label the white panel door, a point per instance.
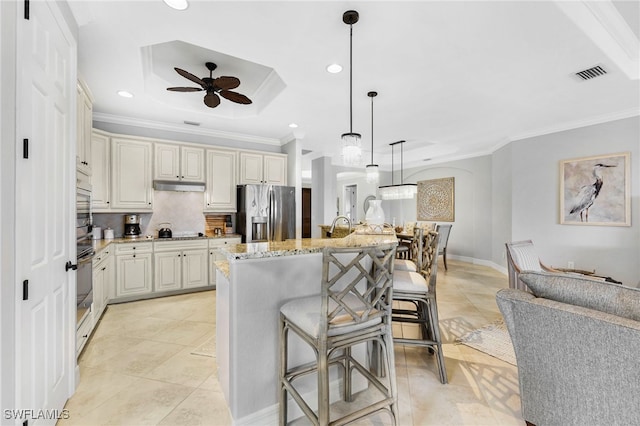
(133, 274)
(250, 168)
(45, 200)
(192, 160)
(221, 181)
(100, 172)
(168, 275)
(275, 170)
(167, 162)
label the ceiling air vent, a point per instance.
(592, 72)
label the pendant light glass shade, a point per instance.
(351, 149)
(351, 145)
(403, 191)
(372, 169)
(372, 173)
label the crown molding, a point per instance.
(183, 128)
(576, 124)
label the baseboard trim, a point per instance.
(482, 262)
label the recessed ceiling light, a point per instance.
(125, 94)
(334, 68)
(293, 125)
(177, 4)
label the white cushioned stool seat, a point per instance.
(305, 313)
(404, 281)
(405, 265)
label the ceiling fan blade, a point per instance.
(226, 83)
(211, 100)
(184, 89)
(191, 77)
(235, 97)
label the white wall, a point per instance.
(472, 226)
(613, 251)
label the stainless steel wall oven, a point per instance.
(85, 252)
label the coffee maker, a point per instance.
(131, 226)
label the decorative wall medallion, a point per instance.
(436, 200)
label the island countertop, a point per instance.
(359, 238)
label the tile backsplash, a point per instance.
(183, 210)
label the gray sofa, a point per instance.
(577, 346)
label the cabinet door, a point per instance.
(83, 127)
(98, 291)
(100, 172)
(194, 268)
(192, 164)
(131, 178)
(167, 162)
(221, 181)
(133, 275)
(275, 170)
(167, 267)
(250, 168)
(109, 280)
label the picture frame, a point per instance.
(436, 200)
(595, 191)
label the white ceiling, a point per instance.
(454, 79)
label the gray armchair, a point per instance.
(576, 342)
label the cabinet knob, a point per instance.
(107, 202)
(134, 255)
(177, 176)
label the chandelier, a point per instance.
(403, 191)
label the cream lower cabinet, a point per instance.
(134, 269)
(104, 275)
(180, 265)
(215, 255)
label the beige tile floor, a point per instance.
(138, 369)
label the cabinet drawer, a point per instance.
(134, 247)
(83, 332)
(223, 242)
(179, 245)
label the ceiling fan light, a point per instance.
(351, 149)
(177, 4)
(372, 173)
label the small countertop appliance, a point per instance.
(131, 226)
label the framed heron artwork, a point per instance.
(596, 190)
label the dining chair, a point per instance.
(443, 233)
(418, 291)
(353, 307)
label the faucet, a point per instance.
(333, 225)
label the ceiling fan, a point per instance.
(213, 87)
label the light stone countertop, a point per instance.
(99, 245)
(361, 237)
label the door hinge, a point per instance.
(25, 290)
(25, 148)
(26, 9)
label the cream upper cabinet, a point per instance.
(220, 193)
(131, 175)
(101, 171)
(179, 163)
(256, 168)
(84, 124)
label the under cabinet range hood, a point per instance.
(167, 185)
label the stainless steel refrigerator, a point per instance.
(266, 213)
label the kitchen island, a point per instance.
(253, 284)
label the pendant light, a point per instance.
(351, 146)
(398, 192)
(372, 169)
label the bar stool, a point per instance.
(419, 290)
(354, 307)
(413, 262)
